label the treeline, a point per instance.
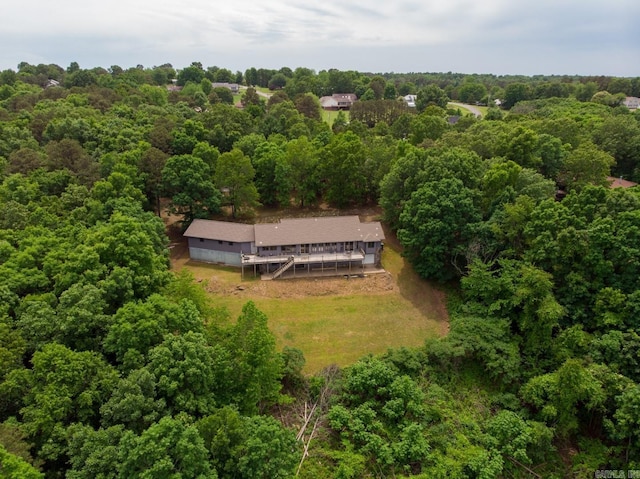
(113, 366)
(468, 88)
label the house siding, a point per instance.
(213, 256)
(217, 251)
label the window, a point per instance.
(201, 240)
(230, 243)
(371, 244)
(219, 241)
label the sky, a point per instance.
(502, 37)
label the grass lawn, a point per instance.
(483, 110)
(329, 116)
(339, 320)
(465, 111)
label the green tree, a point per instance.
(517, 440)
(436, 226)
(431, 95)
(139, 326)
(573, 392)
(277, 82)
(64, 387)
(151, 165)
(514, 93)
(234, 176)
(94, 453)
(309, 106)
(425, 127)
(302, 157)
(191, 376)
(269, 452)
(620, 137)
(80, 317)
(272, 174)
(523, 148)
(627, 418)
(187, 179)
(471, 92)
(133, 251)
(224, 433)
(342, 167)
(14, 467)
(193, 74)
(380, 414)
(170, 448)
(258, 367)
(133, 402)
(586, 165)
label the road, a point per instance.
(471, 108)
(260, 93)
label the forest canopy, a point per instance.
(114, 365)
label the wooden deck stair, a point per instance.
(290, 262)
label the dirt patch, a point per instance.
(307, 287)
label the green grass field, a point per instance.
(330, 116)
(337, 328)
(483, 109)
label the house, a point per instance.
(632, 102)
(330, 243)
(51, 83)
(338, 101)
(410, 100)
(620, 183)
(234, 87)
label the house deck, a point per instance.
(317, 264)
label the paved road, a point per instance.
(471, 108)
(260, 93)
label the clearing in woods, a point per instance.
(332, 320)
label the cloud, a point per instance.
(375, 35)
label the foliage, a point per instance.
(188, 181)
(112, 366)
(234, 176)
(436, 226)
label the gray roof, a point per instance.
(220, 230)
(326, 229)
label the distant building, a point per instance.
(620, 183)
(51, 83)
(410, 100)
(338, 101)
(234, 87)
(632, 102)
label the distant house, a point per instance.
(234, 87)
(620, 183)
(410, 100)
(51, 83)
(632, 102)
(324, 244)
(338, 101)
(174, 85)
